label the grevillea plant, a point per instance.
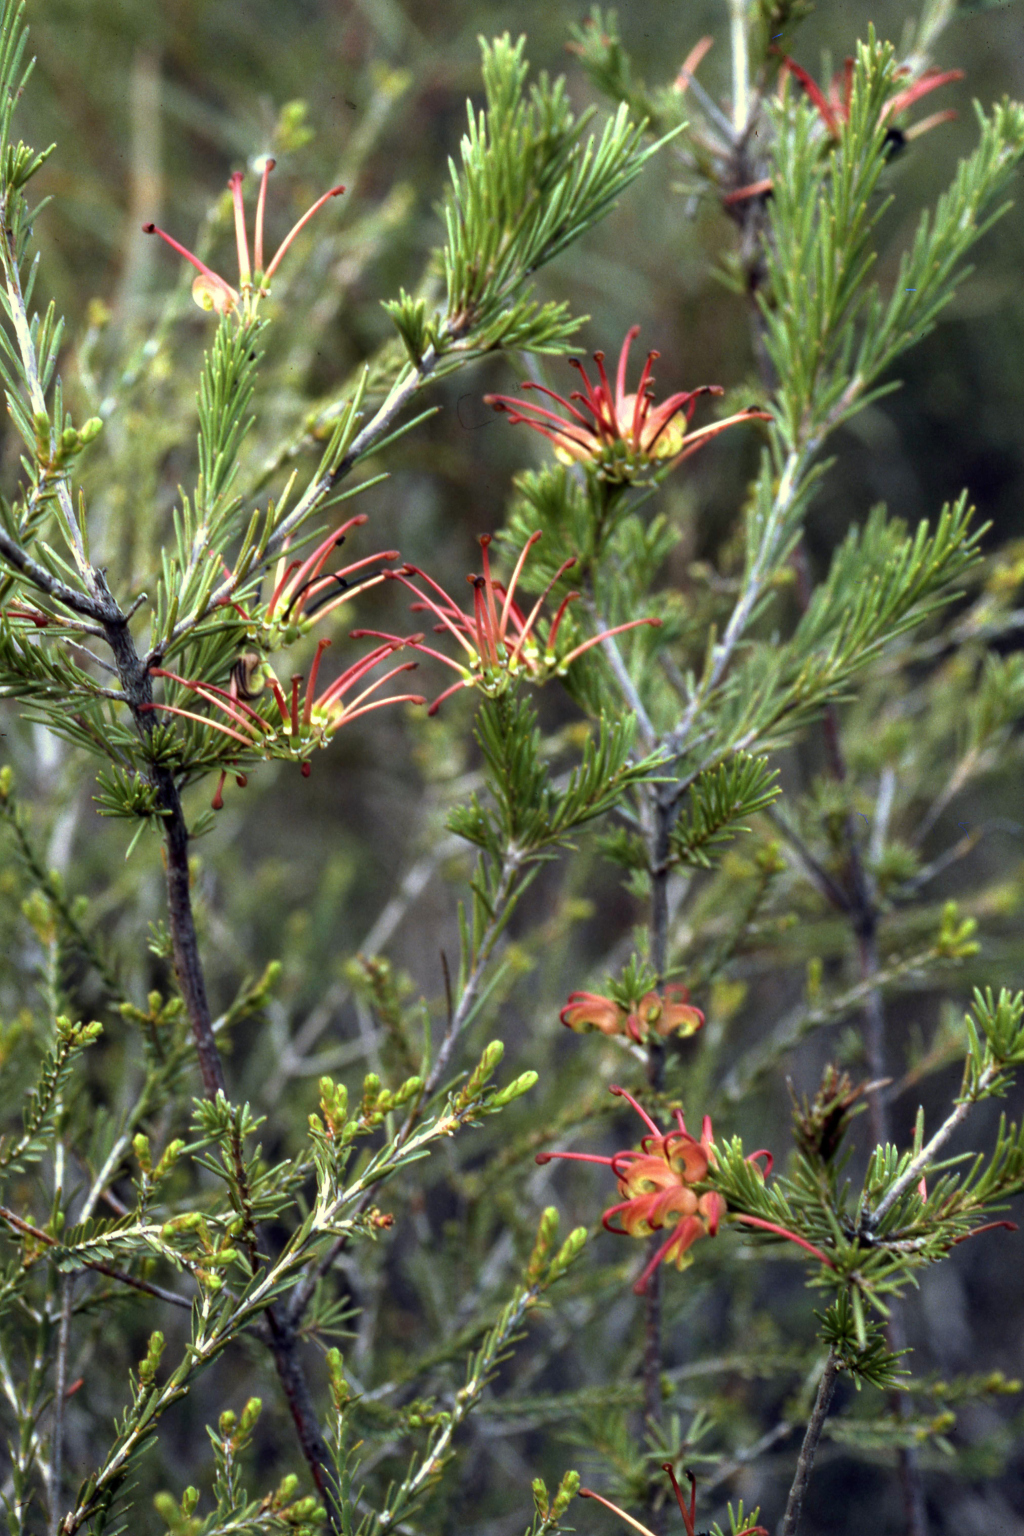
(694, 811)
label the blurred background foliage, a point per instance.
(151, 107)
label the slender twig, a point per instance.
(780, 1431)
(60, 1387)
(294, 1055)
(398, 397)
(39, 576)
(661, 819)
(137, 684)
(97, 1265)
(805, 1461)
(27, 348)
(864, 917)
(788, 486)
(817, 871)
(920, 1164)
(628, 688)
(464, 1400)
(740, 64)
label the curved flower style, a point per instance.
(501, 643)
(660, 1182)
(667, 1013)
(834, 109)
(306, 723)
(620, 434)
(213, 292)
(689, 1515)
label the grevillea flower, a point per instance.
(667, 1012)
(689, 1514)
(618, 433)
(500, 643)
(307, 721)
(660, 1182)
(213, 292)
(834, 108)
(304, 593)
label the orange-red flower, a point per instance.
(619, 433)
(660, 1182)
(834, 109)
(303, 592)
(657, 1184)
(689, 1514)
(213, 292)
(306, 723)
(667, 1012)
(500, 643)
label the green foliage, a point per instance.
(717, 803)
(529, 185)
(271, 1157)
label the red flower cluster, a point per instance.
(834, 109)
(657, 1182)
(667, 1012)
(306, 723)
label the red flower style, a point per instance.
(834, 109)
(667, 1013)
(689, 1514)
(302, 588)
(620, 433)
(213, 292)
(500, 642)
(660, 1182)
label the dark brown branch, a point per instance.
(858, 902)
(805, 1461)
(280, 1336)
(284, 1347)
(39, 576)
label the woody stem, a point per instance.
(280, 1335)
(655, 1077)
(805, 1461)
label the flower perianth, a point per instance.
(308, 720)
(662, 1183)
(261, 204)
(241, 238)
(657, 1182)
(667, 1012)
(302, 589)
(209, 290)
(299, 224)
